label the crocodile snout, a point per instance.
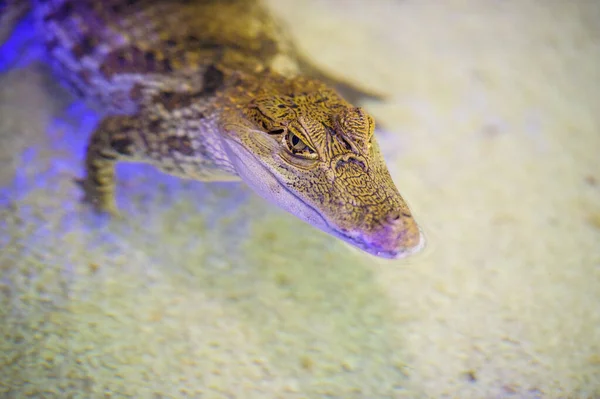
(397, 235)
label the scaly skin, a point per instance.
(214, 90)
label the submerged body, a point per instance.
(214, 90)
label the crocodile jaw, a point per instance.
(265, 184)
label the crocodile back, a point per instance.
(111, 51)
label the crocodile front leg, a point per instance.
(118, 138)
(183, 143)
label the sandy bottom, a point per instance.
(492, 133)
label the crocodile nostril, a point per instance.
(395, 216)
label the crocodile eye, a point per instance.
(296, 145)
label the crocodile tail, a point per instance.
(11, 12)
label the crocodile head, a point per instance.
(314, 155)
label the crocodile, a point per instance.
(215, 90)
